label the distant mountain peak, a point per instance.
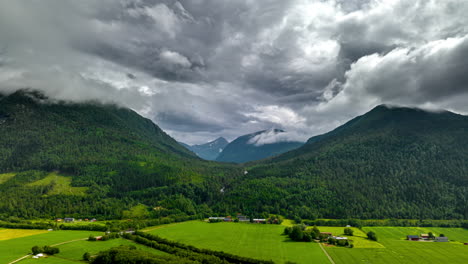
(210, 150)
(258, 145)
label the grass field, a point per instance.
(359, 238)
(62, 185)
(6, 234)
(17, 247)
(75, 250)
(244, 239)
(5, 177)
(398, 250)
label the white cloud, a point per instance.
(175, 58)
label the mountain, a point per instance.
(392, 162)
(210, 150)
(89, 159)
(82, 160)
(256, 146)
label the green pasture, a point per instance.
(251, 240)
(61, 185)
(15, 248)
(398, 250)
(75, 250)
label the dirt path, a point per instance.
(66, 242)
(326, 253)
(157, 227)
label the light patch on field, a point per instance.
(61, 185)
(287, 222)
(6, 176)
(359, 238)
(6, 234)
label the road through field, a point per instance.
(326, 253)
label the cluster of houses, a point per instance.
(425, 237)
(71, 220)
(239, 217)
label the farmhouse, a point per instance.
(424, 236)
(69, 220)
(259, 220)
(412, 237)
(340, 238)
(243, 218)
(216, 218)
(441, 239)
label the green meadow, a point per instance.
(75, 250)
(61, 185)
(251, 240)
(15, 248)
(396, 249)
(5, 177)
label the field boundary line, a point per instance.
(17, 260)
(66, 242)
(326, 253)
(157, 227)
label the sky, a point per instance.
(201, 69)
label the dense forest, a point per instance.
(390, 162)
(87, 160)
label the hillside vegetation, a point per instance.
(390, 162)
(109, 159)
(87, 160)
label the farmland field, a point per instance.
(398, 250)
(359, 238)
(6, 234)
(244, 239)
(17, 247)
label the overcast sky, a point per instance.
(207, 68)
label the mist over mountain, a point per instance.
(210, 150)
(390, 162)
(258, 145)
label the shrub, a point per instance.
(348, 231)
(372, 236)
(86, 256)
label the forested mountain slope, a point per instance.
(86, 160)
(117, 156)
(245, 148)
(391, 162)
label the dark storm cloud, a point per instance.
(208, 68)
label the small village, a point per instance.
(238, 218)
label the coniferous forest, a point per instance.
(62, 159)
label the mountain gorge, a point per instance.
(210, 150)
(256, 146)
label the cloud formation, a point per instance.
(208, 68)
